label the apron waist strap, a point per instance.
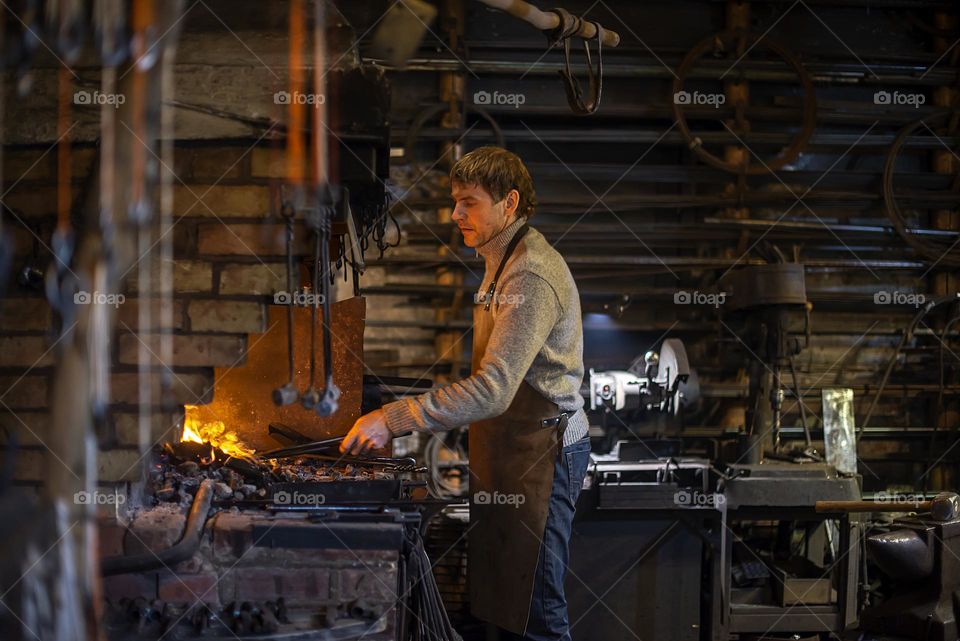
(560, 422)
(562, 417)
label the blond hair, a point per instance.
(497, 171)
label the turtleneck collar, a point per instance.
(494, 249)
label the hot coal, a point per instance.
(181, 467)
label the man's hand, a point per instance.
(368, 433)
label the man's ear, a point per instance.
(512, 201)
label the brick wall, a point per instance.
(229, 260)
(234, 564)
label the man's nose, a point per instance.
(457, 215)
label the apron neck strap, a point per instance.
(517, 237)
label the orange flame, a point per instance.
(214, 432)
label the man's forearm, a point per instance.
(473, 399)
(518, 335)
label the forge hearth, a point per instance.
(232, 538)
(230, 542)
(334, 575)
(283, 547)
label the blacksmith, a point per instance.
(528, 432)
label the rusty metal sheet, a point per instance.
(242, 395)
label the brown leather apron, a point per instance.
(512, 460)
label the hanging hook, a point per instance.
(570, 25)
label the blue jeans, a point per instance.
(548, 619)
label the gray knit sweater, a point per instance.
(537, 338)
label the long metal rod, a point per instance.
(823, 73)
(643, 202)
(548, 20)
(330, 443)
(295, 109)
(324, 171)
(683, 262)
(870, 144)
(429, 231)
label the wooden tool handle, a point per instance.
(872, 506)
(547, 20)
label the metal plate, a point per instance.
(242, 395)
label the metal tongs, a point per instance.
(328, 450)
(313, 447)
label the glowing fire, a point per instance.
(213, 432)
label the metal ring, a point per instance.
(431, 112)
(785, 155)
(931, 251)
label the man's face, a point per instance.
(477, 216)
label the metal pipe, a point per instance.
(823, 73)
(872, 4)
(548, 20)
(180, 551)
(868, 229)
(682, 262)
(595, 232)
(870, 143)
(641, 202)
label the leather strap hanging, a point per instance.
(491, 290)
(570, 25)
